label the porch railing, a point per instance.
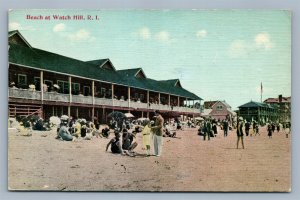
(82, 99)
(24, 93)
(53, 96)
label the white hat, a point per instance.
(64, 117)
(241, 118)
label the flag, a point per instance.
(261, 87)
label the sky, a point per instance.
(216, 54)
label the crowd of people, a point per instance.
(209, 128)
(152, 131)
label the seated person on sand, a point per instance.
(128, 142)
(116, 145)
(105, 132)
(167, 131)
(64, 133)
(78, 128)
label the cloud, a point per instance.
(163, 36)
(145, 33)
(17, 26)
(238, 48)
(81, 35)
(14, 26)
(262, 40)
(201, 34)
(59, 27)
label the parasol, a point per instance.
(129, 115)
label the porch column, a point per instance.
(148, 97)
(93, 114)
(128, 98)
(169, 100)
(69, 111)
(158, 98)
(142, 114)
(112, 93)
(77, 112)
(42, 85)
(70, 88)
(103, 115)
(178, 103)
(93, 91)
(147, 114)
(53, 111)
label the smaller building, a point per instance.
(260, 112)
(218, 110)
(284, 106)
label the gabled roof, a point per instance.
(209, 104)
(48, 61)
(136, 72)
(101, 63)
(223, 102)
(253, 104)
(45, 60)
(173, 82)
(276, 100)
(18, 34)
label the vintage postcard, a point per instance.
(149, 100)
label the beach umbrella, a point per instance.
(118, 117)
(129, 115)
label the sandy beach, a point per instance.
(41, 162)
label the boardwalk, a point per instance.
(41, 162)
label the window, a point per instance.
(22, 79)
(37, 83)
(219, 107)
(63, 87)
(75, 88)
(136, 95)
(162, 100)
(86, 90)
(142, 97)
(109, 93)
(103, 91)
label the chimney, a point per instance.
(280, 98)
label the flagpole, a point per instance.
(261, 91)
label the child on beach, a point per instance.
(147, 135)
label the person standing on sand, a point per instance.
(247, 127)
(225, 128)
(147, 135)
(270, 130)
(239, 131)
(157, 133)
(208, 130)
